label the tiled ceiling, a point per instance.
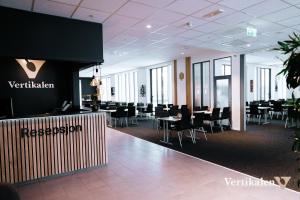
(178, 26)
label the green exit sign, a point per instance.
(251, 32)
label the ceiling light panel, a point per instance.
(239, 4)
(266, 7)
(155, 3)
(103, 5)
(188, 7)
(136, 10)
(290, 22)
(169, 30)
(190, 34)
(90, 15)
(165, 16)
(120, 21)
(71, 2)
(293, 2)
(234, 18)
(210, 27)
(282, 14)
(53, 8)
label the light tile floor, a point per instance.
(139, 169)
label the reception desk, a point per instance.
(37, 147)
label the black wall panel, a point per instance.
(38, 36)
(27, 101)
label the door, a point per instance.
(222, 91)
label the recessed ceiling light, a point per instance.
(213, 13)
(248, 45)
(182, 53)
(149, 26)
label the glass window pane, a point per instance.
(206, 84)
(165, 85)
(136, 88)
(108, 88)
(159, 86)
(154, 87)
(197, 84)
(222, 66)
(103, 87)
(222, 86)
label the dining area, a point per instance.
(280, 111)
(170, 122)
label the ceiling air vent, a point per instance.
(213, 13)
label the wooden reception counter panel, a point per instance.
(33, 148)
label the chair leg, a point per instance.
(286, 122)
(204, 132)
(211, 127)
(220, 123)
(180, 138)
(192, 136)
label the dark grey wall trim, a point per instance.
(242, 92)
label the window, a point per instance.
(201, 74)
(222, 67)
(105, 89)
(159, 85)
(222, 82)
(126, 88)
(264, 83)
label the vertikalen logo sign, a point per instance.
(31, 69)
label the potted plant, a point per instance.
(291, 70)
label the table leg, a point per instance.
(166, 133)
(109, 121)
(266, 116)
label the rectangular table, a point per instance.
(203, 111)
(166, 121)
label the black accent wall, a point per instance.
(38, 36)
(86, 88)
(27, 101)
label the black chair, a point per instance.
(184, 125)
(183, 107)
(198, 124)
(254, 112)
(204, 108)
(226, 115)
(174, 111)
(197, 108)
(277, 109)
(157, 111)
(131, 114)
(149, 109)
(120, 115)
(162, 105)
(170, 105)
(213, 118)
(140, 107)
(130, 104)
